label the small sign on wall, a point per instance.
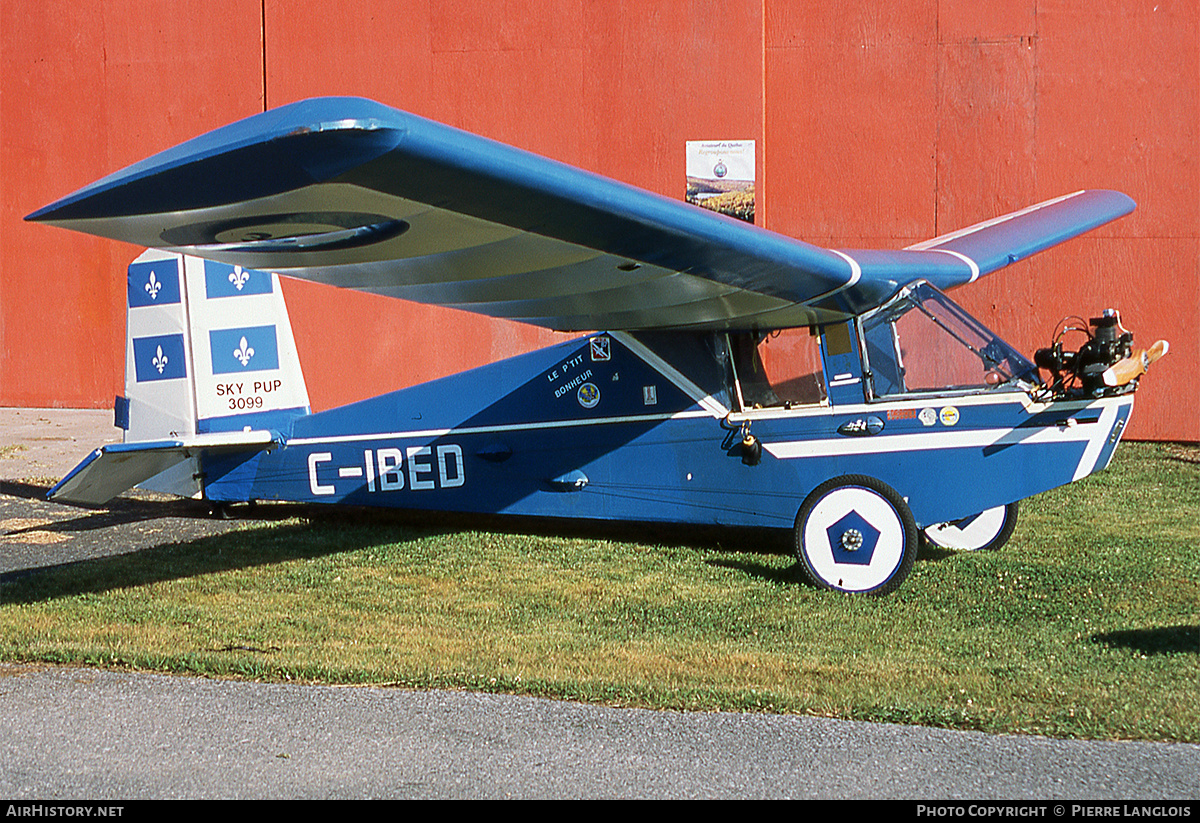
(720, 176)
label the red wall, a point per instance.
(875, 126)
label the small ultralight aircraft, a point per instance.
(743, 378)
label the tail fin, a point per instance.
(209, 348)
(210, 364)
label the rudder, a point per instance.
(209, 348)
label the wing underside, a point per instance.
(355, 194)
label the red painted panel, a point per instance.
(878, 124)
(852, 24)
(378, 50)
(987, 131)
(986, 21)
(851, 134)
(1120, 106)
(485, 78)
(85, 90)
(505, 25)
(995, 109)
(353, 345)
(659, 74)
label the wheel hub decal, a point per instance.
(853, 539)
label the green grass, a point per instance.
(1086, 625)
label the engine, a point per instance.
(1105, 364)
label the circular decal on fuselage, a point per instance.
(588, 395)
(927, 417)
(948, 416)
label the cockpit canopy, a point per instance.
(921, 341)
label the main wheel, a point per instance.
(856, 534)
(986, 531)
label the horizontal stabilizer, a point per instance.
(118, 467)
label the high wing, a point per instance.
(353, 193)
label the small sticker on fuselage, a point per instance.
(948, 416)
(927, 417)
(588, 395)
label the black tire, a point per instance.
(848, 515)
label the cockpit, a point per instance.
(919, 342)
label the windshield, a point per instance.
(922, 341)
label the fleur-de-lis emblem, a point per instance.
(238, 278)
(243, 353)
(160, 359)
(152, 289)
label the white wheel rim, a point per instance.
(827, 550)
(970, 535)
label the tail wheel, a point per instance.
(856, 534)
(986, 531)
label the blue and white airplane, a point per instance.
(744, 378)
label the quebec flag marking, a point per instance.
(223, 280)
(159, 358)
(155, 283)
(253, 348)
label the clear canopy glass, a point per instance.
(922, 341)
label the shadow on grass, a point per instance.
(792, 575)
(238, 549)
(1161, 640)
(317, 531)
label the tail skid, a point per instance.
(210, 364)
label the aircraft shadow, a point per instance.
(217, 552)
(318, 531)
(168, 561)
(119, 511)
(1158, 640)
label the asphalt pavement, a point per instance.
(90, 733)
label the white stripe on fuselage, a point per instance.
(421, 434)
(1087, 463)
(705, 400)
(1094, 434)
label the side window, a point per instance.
(781, 369)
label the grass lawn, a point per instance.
(1087, 624)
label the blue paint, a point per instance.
(644, 424)
(360, 145)
(868, 534)
(223, 280)
(274, 420)
(153, 284)
(159, 358)
(249, 348)
(522, 449)
(121, 412)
